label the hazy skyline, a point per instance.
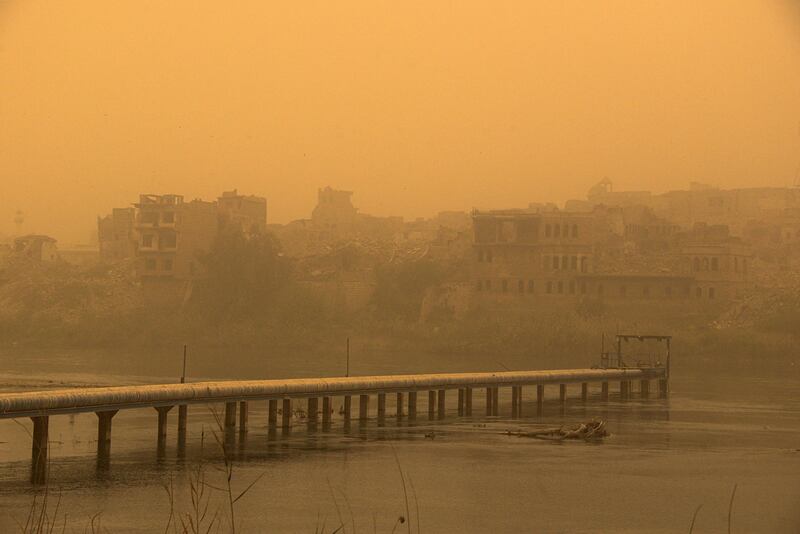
(417, 107)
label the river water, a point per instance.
(664, 459)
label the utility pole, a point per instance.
(183, 373)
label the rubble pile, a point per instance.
(59, 292)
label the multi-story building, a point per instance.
(529, 253)
(173, 235)
(249, 212)
(580, 254)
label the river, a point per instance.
(663, 460)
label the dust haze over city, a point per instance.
(402, 267)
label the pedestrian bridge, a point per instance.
(107, 401)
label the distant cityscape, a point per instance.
(702, 245)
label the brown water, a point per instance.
(663, 460)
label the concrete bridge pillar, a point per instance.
(489, 399)
(272, 413)
(39, 449)
(514, 402)
(460, 402)
(312, 407)
(348, 402)
(412, 404)
(562, 393)
(104, 433)
(243, 417)
(441, 407)
(161, 432)
(539, 398)
(644, 388)
(381, 407)
(468, 401)
(584, 391)
(229, 423)
(182, 419)
(399, 406)
(495, 400)
(286, 414)
(663, 387)
(604, 391)
(326, 411)
(431, 404)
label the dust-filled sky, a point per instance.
(417, 106)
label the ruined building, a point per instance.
(334, 216)
(116, 236)
(561, 255)
(249, 212)
(173, 234)
(39, 248)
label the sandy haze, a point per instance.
(418, 106)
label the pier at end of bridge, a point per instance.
(107, 401)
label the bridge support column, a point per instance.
(624, 389)
(489, 399)
(272, 413)
(644, 388)
(663, 387)
(312, 409)
(39, 449)
(104, 433)
(381, 407)
(562, 393)
(431, 404)
(229, 422)
(183, 414)
(286, 414)
(399, 406)
(326, 411)
(539, 399)
(243, 417)
(412, 404)
(441, 407)
(495, 400)
(604, 391)
(514, 402)
(584, 391)
(348, 402)
(161, 433)
(460, 402)
(363, 407)
(468, 401)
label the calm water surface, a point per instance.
(663, 460)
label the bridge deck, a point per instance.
(97, 399)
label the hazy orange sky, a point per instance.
(417, 106)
